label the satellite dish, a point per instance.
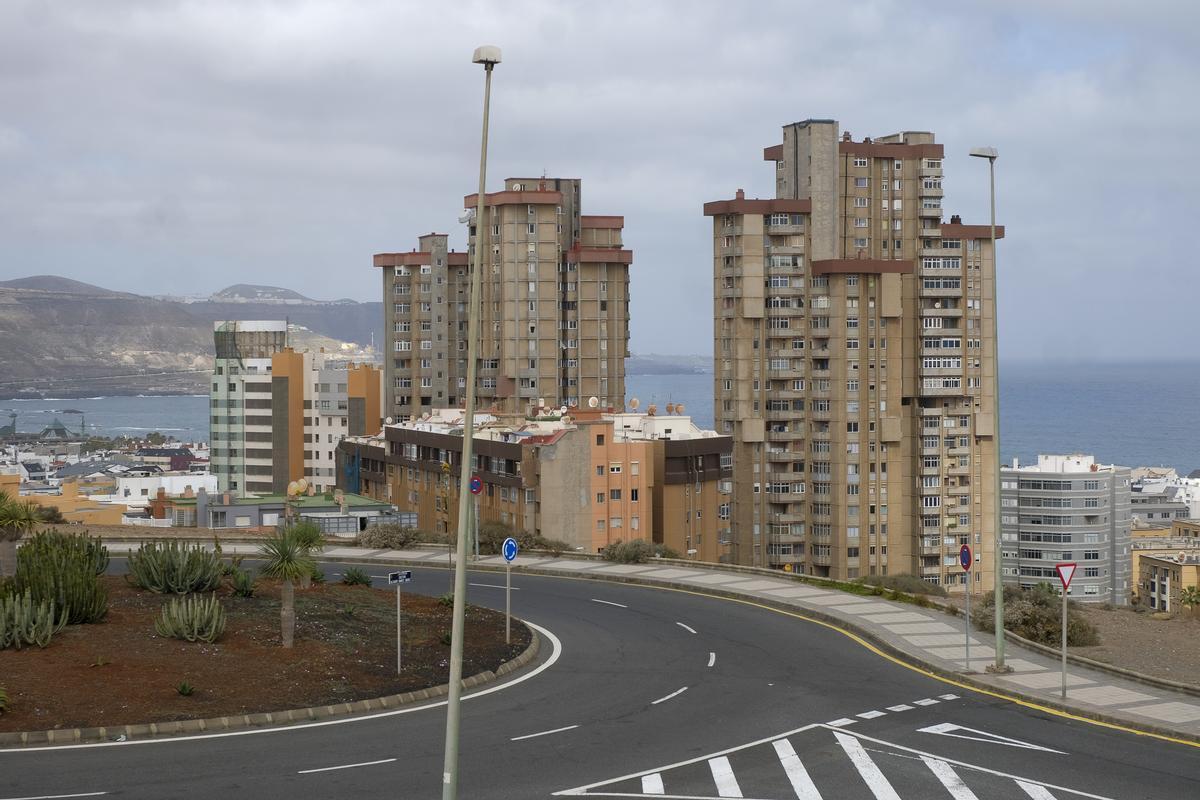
(651, 410)
(634, 403)
(293, 488)
(679, 408)
(562, 410)
(593, 402)
(670, 408)
(387, 421)
(566, 420)
(302, 485)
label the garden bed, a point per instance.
(121, 672)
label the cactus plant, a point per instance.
(356, 577)
(3, 700)
(63, 569)
(242, 583)
(174, 568)
(193, 618)
(24, 621)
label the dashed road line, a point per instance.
(687, 628)
(543, 733)
(675, 693)
(872, 714)
(928, 701)
(346, 766)
(57, 796)
(610, 603)
(841, 723)
(712, 658)
(899, 708)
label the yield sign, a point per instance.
(1066, 571)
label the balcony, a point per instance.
(787, 519)
(925, 191)
(785, 250)
(785, 436)
(930, 212)
(785, 415)
(781, 230)
(929, 172)
(957, 470)
(940, 292)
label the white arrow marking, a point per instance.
(949, 728)
(687, 628)
(609, 603)
(712, 658)
(346, 766)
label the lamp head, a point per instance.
(984, 152)
(487, 55)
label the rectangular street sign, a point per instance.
(400, 577)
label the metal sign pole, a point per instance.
(507, 602)
(399, 638)
(1064, 644)
(476, 527)
(967, 623)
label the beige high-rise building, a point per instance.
(853, 362)
(555, 307)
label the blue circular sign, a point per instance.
(964, 558)
(509, 549)
(476, 484)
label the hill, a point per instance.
(63, 337)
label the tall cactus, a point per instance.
(174, 568)
(193, 618)
(26, 622)
(63, 569)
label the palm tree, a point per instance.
(287, 560)
(16, 519)
(1190, 597)
(310, 537)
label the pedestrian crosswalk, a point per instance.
(825, 762)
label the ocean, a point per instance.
(1132, 414)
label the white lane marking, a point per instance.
(871, 775)
(494, 586)
(687, 628)
(56, 796)
(675, 693)
(727, 785)
(346, 766)
(652, 784)
(949, 778)
(839, 723)
(900, 707)
(1034, 785)
(871, 714)
(543, 733)
(947, 697)
(928, 701)
(1035, 791)
(609, 603)
(556, 648)
(976, 735)
(712, 658)
(802, 784)
(581, 790)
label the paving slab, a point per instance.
(1045, 680)
(863, 608)
(797, 591)
(625, 569)
(896, 616)
(672, 574)
(717, 578)
(959, 653)
(1110, 696)
(754, 586)
(938, 639)
(1168, 712)
(838, 598)
(919, 627)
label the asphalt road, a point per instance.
(660, 694)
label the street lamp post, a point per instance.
(990, 154)
(489, 56)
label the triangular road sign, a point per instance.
(959, 732)
(1066, 571)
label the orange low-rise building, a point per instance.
(75, 507)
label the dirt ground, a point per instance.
(1164, 648)
(121, 672)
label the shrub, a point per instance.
(174, 568)
(317, 575)
(447, 599)
(635, 552)
(242, 583)
(51, 515)
(193, 619)
(62, 569)
(184, 688)
(3, 700)
(556, 546)
(1036, 614)
(354, 576)
(24, 621)
(388, 535)
(910, 584)
(446, 638)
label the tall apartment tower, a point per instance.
(853, 363)
(555, 307)
(278, 414)
(1068, 508)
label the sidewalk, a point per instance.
(928, 637)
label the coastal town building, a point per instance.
(853, 362)
(277, 414)
(1163, 579)
(1068, 508)
(555, 307)
(588, 477)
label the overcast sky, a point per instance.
(178, 147)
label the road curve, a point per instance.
(655, 693)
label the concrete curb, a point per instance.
(275, 718)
